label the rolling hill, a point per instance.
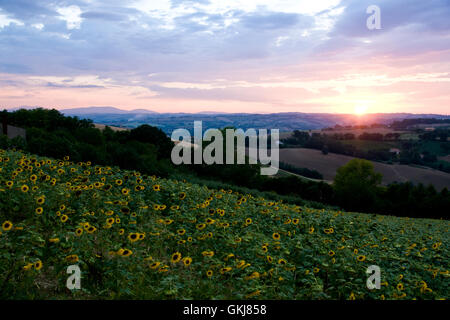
(328, 164)
(143, 237)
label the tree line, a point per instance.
(148, 149)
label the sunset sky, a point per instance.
(226, 55)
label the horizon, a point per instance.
(365, 115)
(261, 56)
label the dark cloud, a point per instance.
(109, 16)
(26, 9)
(274, 20)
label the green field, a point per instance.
(140, 237)
(365, 145)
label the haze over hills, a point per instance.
(285, 122)
(103, 110)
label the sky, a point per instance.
(261, 56)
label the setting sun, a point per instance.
(360, 109)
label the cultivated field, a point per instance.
(404, 135)
(328, 164)
(140, 237)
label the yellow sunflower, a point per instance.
(175, 257)
(7, 225)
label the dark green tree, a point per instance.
(356, 185)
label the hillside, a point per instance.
(328, 164)
(284, 121)
(143, 237)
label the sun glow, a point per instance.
(360, 110)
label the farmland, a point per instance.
(142, 237)
(328, 164)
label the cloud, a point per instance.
(101, 15)
(6, 20)
(72, 16)
(259, 52)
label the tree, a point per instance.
(356, 185)
(148, 134)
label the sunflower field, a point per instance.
(142, 237)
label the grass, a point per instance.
(366, 145)
(140, 237)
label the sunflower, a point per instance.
(282, 262)
(38, 265)
(156, 187)
(361, 258)
(91, 229)
(182, 195)
(163, 269)
(209, 273)
(208, 253)
(40, 200)
(72, 258)
(64, 218)
(53, 240)
(240, 264)
(311, 230)
(269, 259)
(276, 236)
(181, 231)
(79, 232)
(254, 275)
(110, 220)
(27, 267)
(119, 182)
(125, 210)
(331, 253)
(201, 226)
(225, 270)
(125, 191)
(39, 210)
(187, 261)
(400, 286)
(316, 270)
(175, 257)
(24, 188)
(133, 237)
(126, 253)
(121, 231)
(7, 225)
(248, 221)
(154, 265)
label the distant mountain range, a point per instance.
(285, 122)
(104, 110)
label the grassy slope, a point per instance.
(316, 256)
(328, 164)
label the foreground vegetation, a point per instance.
(142, 237)
(148, 149)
